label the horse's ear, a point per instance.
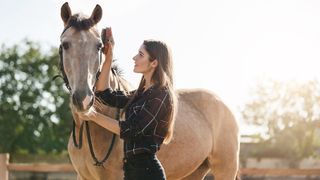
(65, 13)
(96, 14)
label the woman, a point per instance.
(149, 110)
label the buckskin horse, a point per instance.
(206, 135)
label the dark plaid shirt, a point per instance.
(145, 125)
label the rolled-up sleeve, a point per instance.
(114, 98)
(152, 114)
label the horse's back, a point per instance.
(214, 110)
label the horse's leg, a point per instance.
(224, 166)
(200, 172)
(224, 157)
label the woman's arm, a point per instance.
(103, 91)
(104, 78)
(108, 123)
(103, 121)
(113, 98)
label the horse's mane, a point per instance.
(118, 73)
(115, 67)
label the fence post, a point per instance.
(4, 162)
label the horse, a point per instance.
(206, 134)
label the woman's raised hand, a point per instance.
(108, 42)
(103, 81)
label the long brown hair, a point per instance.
(162, 77)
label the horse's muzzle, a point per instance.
(82, 101)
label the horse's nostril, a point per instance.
(76, 101)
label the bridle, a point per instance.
(78, 145)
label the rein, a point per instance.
(97, 162)
(78, 145)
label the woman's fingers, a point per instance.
(92, 114)
(87, 116)
(109, 36)
(108, 47)
(108, 40)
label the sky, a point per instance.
(224, 46)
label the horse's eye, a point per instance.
(99, 45)
(65, 45)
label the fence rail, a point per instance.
(5, 167)
(279, 172)
(41, 167)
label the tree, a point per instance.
(34, 112)
(290, 111)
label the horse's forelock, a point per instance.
(80, 22)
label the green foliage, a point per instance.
(291, 113)
(34, 112)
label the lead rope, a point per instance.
(74, 135)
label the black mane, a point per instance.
(115, 67)
(80, 22)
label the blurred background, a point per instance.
(260, 56)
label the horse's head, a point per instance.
(79, 51)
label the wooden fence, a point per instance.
(5, 167)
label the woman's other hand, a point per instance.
(92, 115)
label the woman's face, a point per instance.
(142, 64)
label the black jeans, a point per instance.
(143, 167)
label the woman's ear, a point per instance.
(154, 63)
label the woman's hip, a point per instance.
(143, 166)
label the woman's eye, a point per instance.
(65, 45)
